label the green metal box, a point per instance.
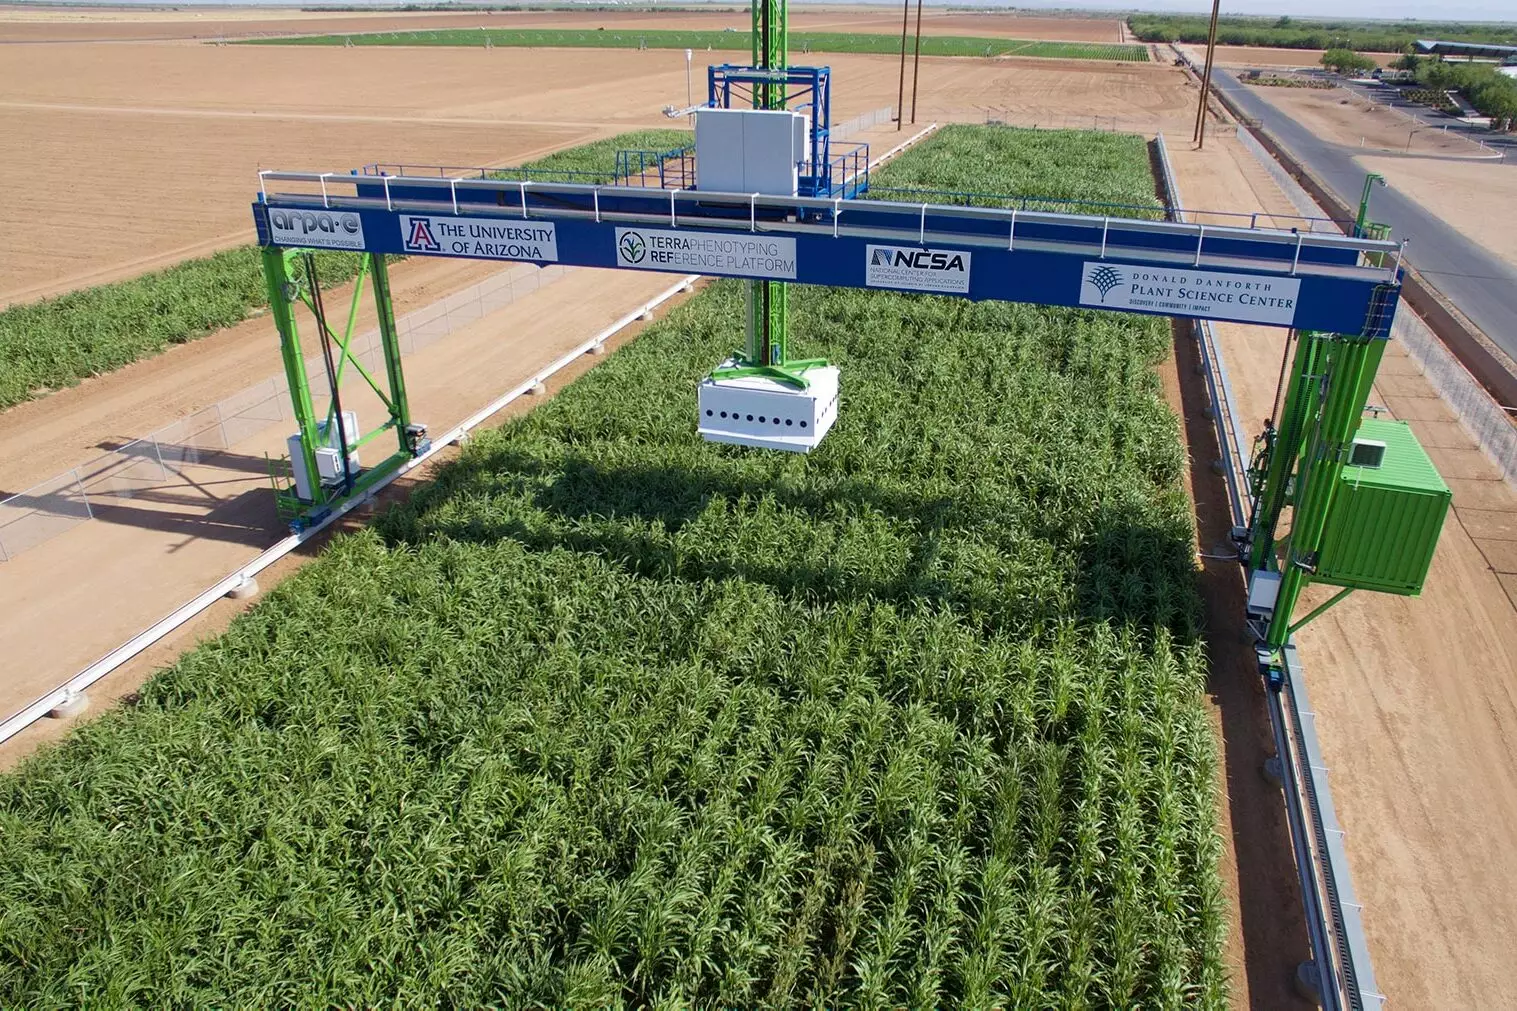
(1384, 522)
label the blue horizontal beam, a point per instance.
(1147, 270)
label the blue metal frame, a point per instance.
(1040, 258)
(674, 168)
(846, 175)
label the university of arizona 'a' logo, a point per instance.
(1103, 279)
(421, 239)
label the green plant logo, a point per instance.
(1104, 279)
(633, 247)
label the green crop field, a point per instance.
(608, 716)
(1101, 173)
(60, 341)
(807, 42)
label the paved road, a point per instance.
(1479, 283)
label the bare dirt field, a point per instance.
(1266, 56)
(1415, 697)
(1342, 116)
(1462, 193)
(171, 136)
(34, 25)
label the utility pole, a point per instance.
(900, 97)
(1211, 49)
(916, 65)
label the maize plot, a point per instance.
(611, 716)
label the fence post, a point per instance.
(90, 513)
(163, 472)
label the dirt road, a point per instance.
(1464, 194)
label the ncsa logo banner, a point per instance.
(918, 268)
(317, 229)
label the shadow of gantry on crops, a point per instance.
(1122, 570)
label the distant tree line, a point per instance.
(1492, 94)
(1288, 33)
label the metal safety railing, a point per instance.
(1086, 234)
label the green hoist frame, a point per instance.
(291, 277)
(767, 352)
(1299, 463)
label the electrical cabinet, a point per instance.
(1383, 525)
(749, 150)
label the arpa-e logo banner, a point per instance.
(316, 229)
(918, 269)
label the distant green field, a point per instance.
(818, 42)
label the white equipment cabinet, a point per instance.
(329, 470)
(755, 411)
(749, 150)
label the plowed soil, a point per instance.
(1265, 56)
(153, 149)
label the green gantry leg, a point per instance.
(283, 294)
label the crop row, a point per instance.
(611, 716)
(800, 42)
(60, 341)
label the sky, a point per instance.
(1445, 10)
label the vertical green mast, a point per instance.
(768, 347)
(768, 301)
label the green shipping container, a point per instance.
(1385, 520)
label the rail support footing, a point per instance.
(538, 389)
(72, 704)
(1273, 771)
(1309, 982)
(598, 349)
(246, 587)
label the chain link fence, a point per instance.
(1492, 427)
(867, 121)
(55, 506)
